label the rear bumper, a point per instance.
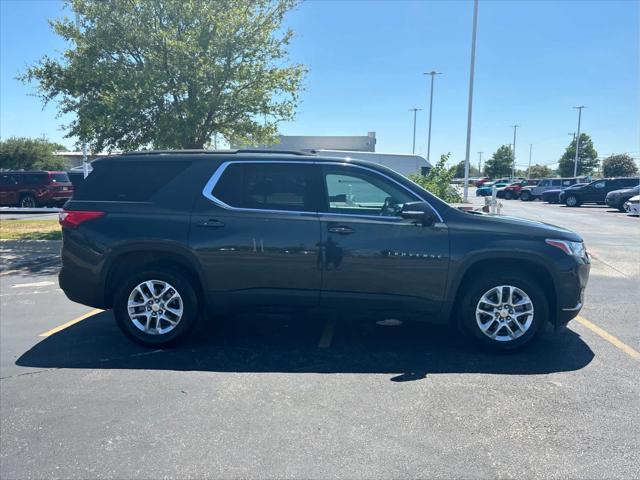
(81, 289)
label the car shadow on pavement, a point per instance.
(259, 344)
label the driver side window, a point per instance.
(354, 191)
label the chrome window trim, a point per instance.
(207, 191)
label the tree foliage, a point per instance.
(458, 170)
(587, 158)
(438, 181)
(21, 153)
(500, 164)
(540, 171)
(170, 74)
(621, 165)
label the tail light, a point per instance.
(75, 218)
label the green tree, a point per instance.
(458, 170)
(619, 166)
(170, 74)
(540, 171)
(500, 163)
(587, 158)
(21, 153)
(438, 181)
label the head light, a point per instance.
(576, 249)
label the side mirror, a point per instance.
(420, 211)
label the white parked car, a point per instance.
(632, 206)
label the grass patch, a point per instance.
(30, 230)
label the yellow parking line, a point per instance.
(616, 342)
(327, 334)
(70, 322)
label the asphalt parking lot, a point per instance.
(259, 397)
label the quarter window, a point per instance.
(352, 191)
(268, 186)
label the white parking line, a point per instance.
(34, 284)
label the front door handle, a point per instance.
(341, 230)
(212, 223)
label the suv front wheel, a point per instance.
(156, 307)
(503, 311)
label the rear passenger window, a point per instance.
(35, 179)
(268, 186)
(556, 183)
(127, 181)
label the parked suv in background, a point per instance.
(596, 191)
(513, 190)
(162, 236)
(30, 189)
(533, 193)
(617, 198)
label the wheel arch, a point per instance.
(140, 256)
(531, 266)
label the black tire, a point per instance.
(621, 207)
(525, 196)
(180, 283)
(478, 286)
(508, 195)
(572, 201)
(28, 201)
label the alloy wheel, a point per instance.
(572, 201)
(504, 313)
(155, 307)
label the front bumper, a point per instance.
(570, 289)
(612, 201)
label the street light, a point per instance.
(575, 163)
(480, 163)
(470, 106)
(415, 111)
(513, 169)
(529, 169)
(433, 73)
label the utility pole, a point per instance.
(433, 73)
(470, 106)
(529, 169)
(513, 169)
(415, 111)
(575, 163)
(480, 163)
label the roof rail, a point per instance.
(265, 150)
(218, 152)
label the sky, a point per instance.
(535, 60)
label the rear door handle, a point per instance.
(341, 230)
(212, 223)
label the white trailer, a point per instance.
(402, 163)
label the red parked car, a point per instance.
(481, 181)
(513, 190)
(30, 189)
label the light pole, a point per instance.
(470, 106)
(85, 162)
(433, 73)
(529, 169)
(415, 111)
(480, 163)
(513, 169)
(575, 163)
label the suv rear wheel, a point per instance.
(525, 196)
(28, 201)
(156, 307)
(503, 311)
(508, 195)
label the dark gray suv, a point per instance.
(165, 237)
